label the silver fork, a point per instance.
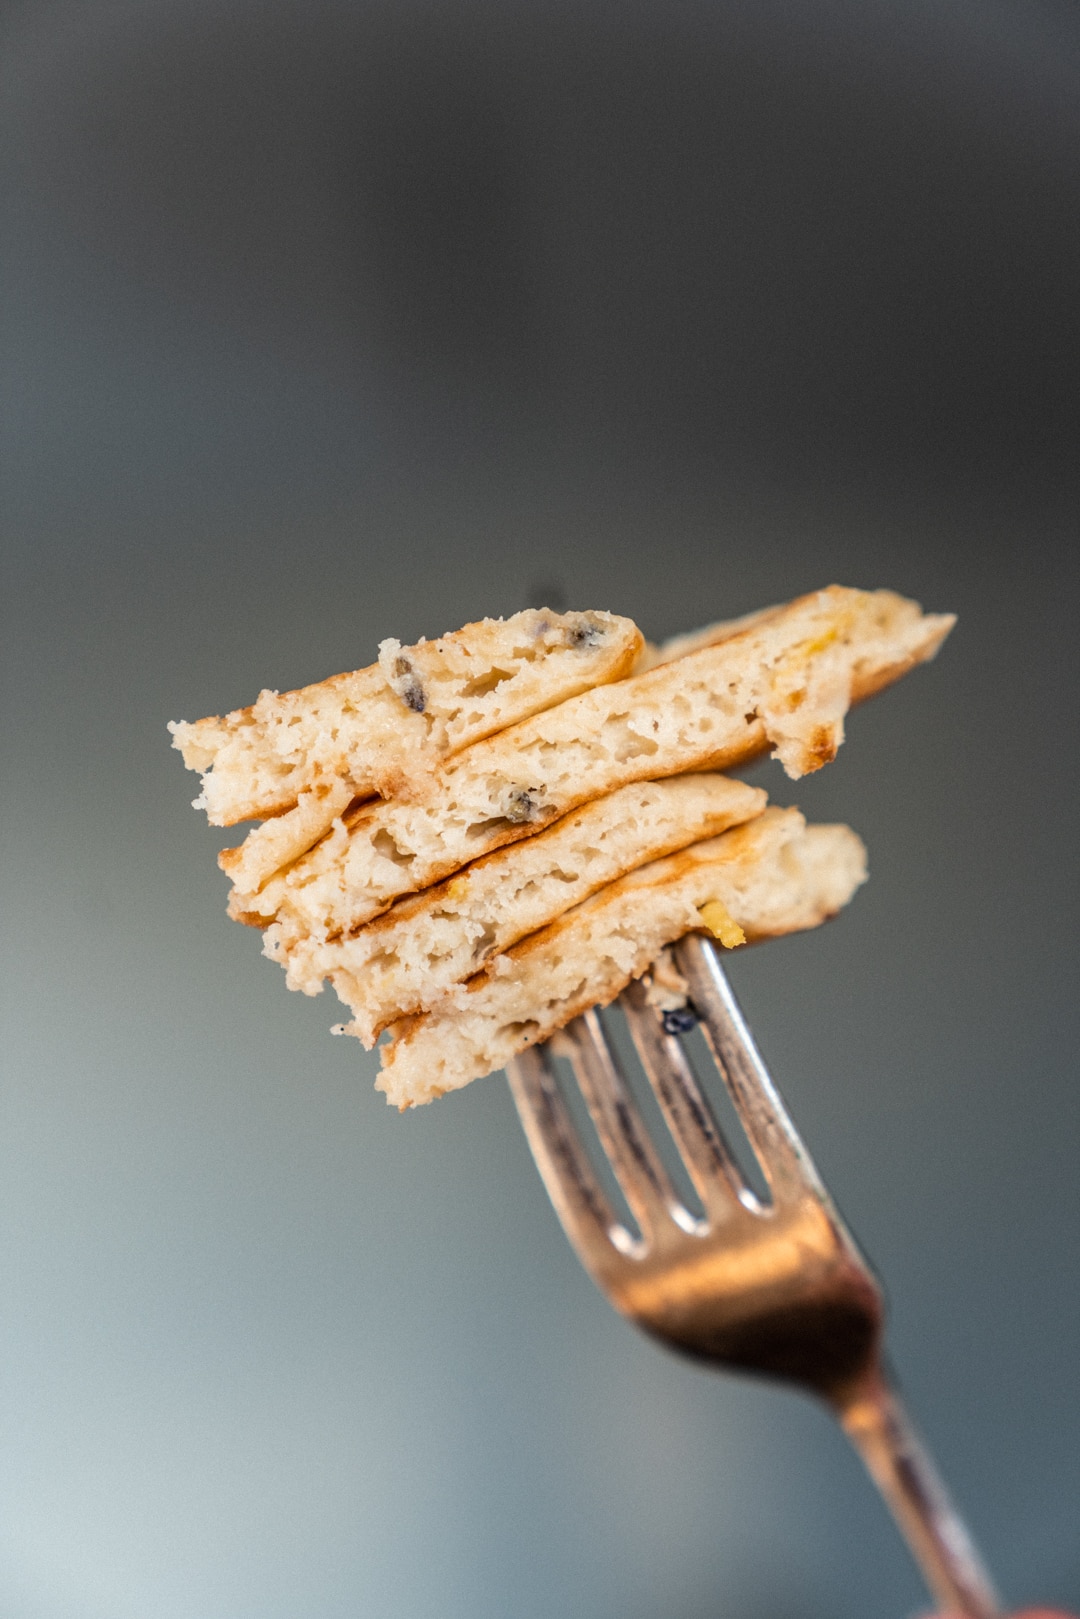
(774, 1287)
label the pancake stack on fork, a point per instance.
(479, 837)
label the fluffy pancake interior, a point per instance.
(377, 726)
(428, 942)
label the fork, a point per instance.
(773, 1286)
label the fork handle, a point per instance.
(874, 1419)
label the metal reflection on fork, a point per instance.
(776, 1286)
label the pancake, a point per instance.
(300, 757)
(784, 681)
(428, 942)
(772, 876)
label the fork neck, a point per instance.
(874, 1419)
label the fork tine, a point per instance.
(642, 1177)
(709, 1161)
(784, 1160)
(583, 1209)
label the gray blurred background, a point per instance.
(325, 322)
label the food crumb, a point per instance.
(722, 925)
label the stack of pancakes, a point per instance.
(479, 837)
